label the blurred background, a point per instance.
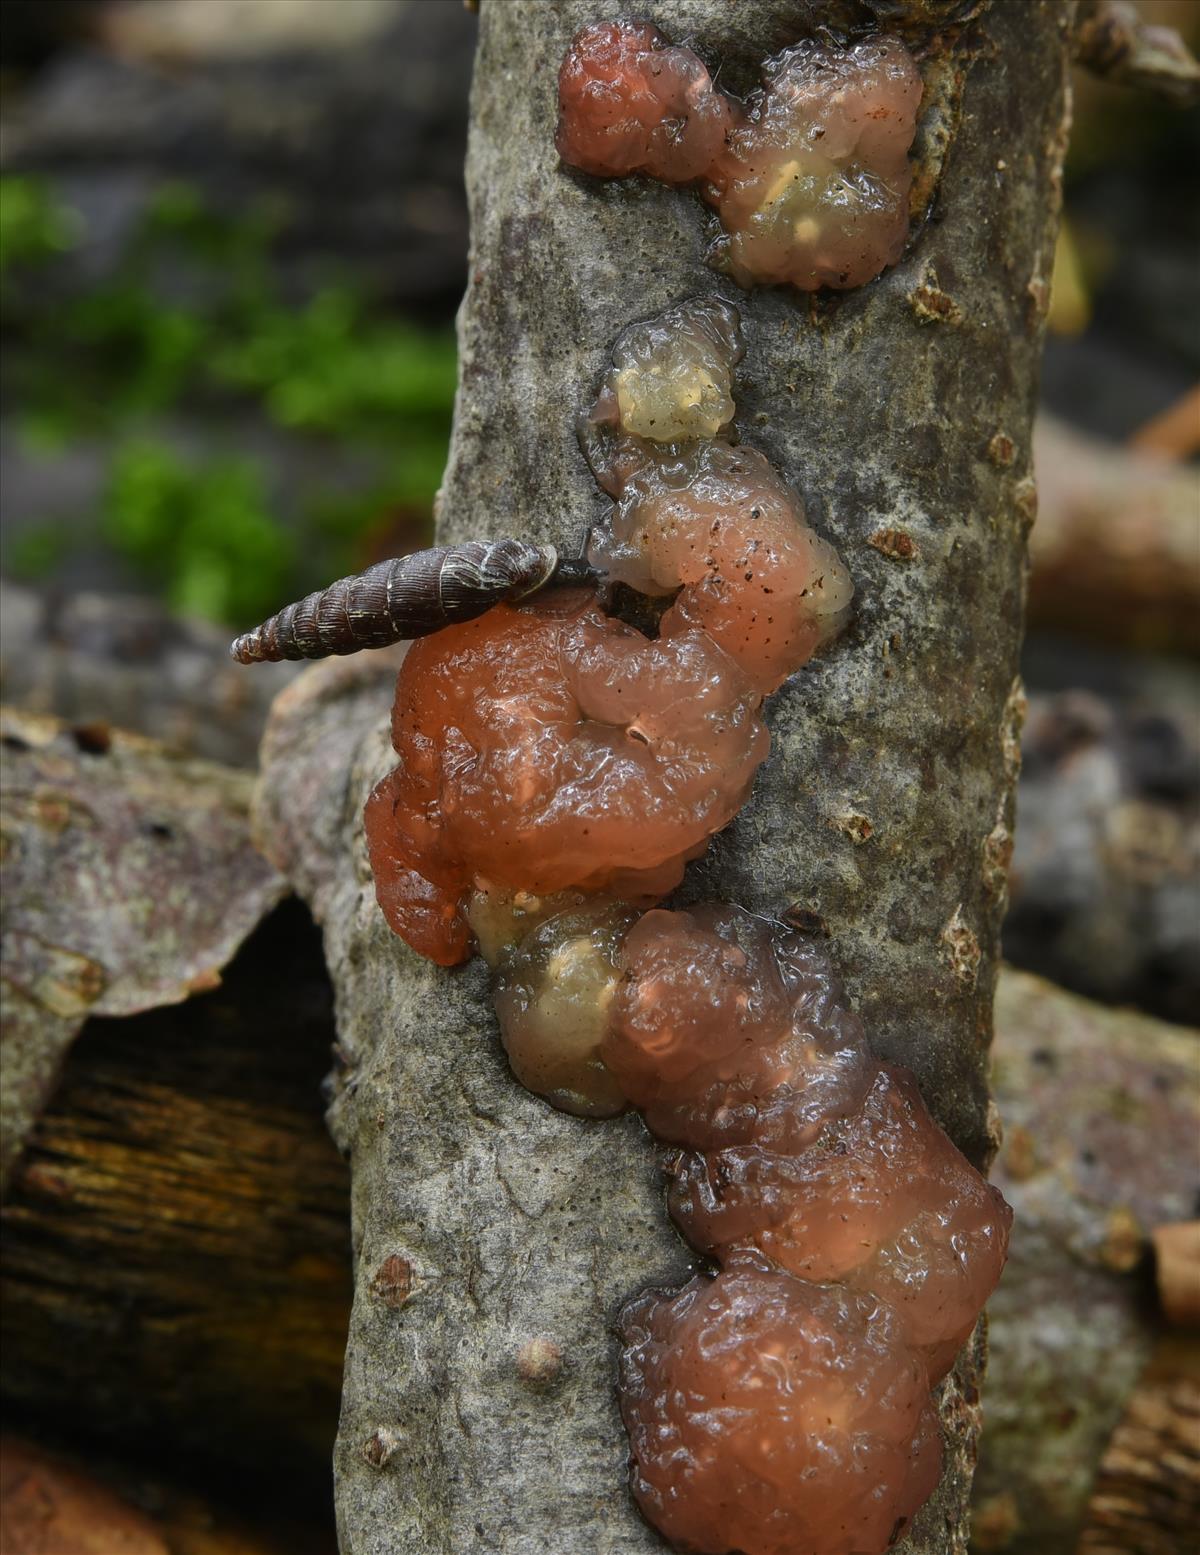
(232, 240)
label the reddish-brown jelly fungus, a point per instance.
(782, 1407)
(557, 769)
(730, 1034)
(772, 1416)
(630, 103)
(696, 517)
(810, 175)
(551, 747)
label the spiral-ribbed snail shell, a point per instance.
(410, 596)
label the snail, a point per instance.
(410, 596)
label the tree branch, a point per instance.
(1113, 42)
(884, 811)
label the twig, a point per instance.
(1113, 42)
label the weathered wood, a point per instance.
(127, 880)
(1101, 1113)
(174, 1135)
(1147, 1495)
(1114, 548)
(67, 1505)
(1177, 1270)
(174, 1281)
(884, 810)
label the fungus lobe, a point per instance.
(809, 176)
(773, 1416)
(631, 103)
(547, 748)
(556, 770)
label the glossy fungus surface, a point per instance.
(553, 994)
(672, 375)
(810, 176)
(556, 770)
(812, 188)
(698, 518)
(629, 102)
(755, 577)
(726, 1029)
(882, 1202)
(773, 1416)
(550, 747)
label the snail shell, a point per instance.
(407, 597)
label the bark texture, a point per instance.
(174, 1280)
(128, 882)
(1101, 1113)
(1147, 1495)
(903, 413)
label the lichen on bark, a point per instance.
(893, 762)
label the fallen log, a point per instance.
(1101, 1112)
(128, 880)
(177, 1232)
(1146, 1499)
(1114, 548)
(175, 1277)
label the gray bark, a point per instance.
(106, 909)
(1101, 1114)
(884, 811)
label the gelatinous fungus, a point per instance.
(610, 757)
(719, 521)
(557, 768)
(812, 188)
(810, 176)
(774, 1416)
(631, 103)
(551, 747)
(882, 1203)
(815, 1175)
(552, 998)
(695, 516)
(726, 1030)
(670, 384)
(671, 381)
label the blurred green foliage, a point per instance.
(33, 225)
(194, 323)
(205, 536)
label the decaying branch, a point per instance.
(1101, 1112)
(902, 412)
(1147, 1495)
(1114, 548)
(174, 1280)
(164, 886)
(104, 1233)
(1115, 42)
